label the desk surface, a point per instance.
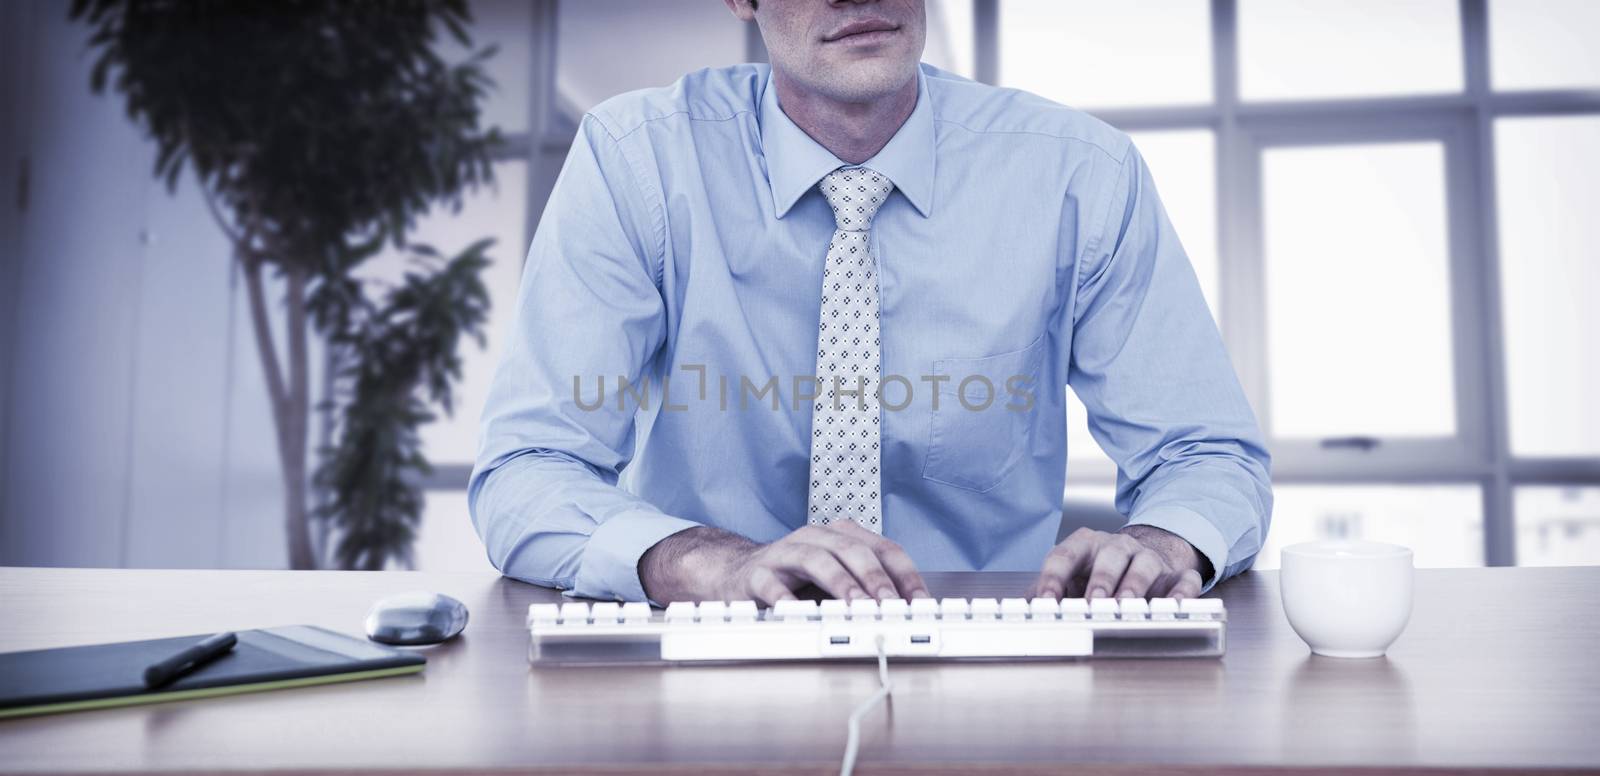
(1497, 669)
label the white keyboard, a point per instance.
(951, 628)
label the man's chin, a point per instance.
(864, 78)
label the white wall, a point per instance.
(14, 80)
(136, 428)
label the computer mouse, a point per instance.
(415, 618)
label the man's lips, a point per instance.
(862, 27)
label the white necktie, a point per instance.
(844, 423)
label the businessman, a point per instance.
(809, 327)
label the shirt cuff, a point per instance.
(610, 567)
(1194, 528)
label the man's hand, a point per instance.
(843, 559)
(1136, 562)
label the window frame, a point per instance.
(1466, 119)
(1436, 456)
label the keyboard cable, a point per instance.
(852, 740)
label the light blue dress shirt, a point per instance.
(1023, 247)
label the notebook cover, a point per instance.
(105, 675)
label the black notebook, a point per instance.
(104, 675)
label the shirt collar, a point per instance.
(795, 162)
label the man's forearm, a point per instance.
(547, 518)
(689, 565)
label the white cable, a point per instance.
(852, 740)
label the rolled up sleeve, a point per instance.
(543, 495)
(1164, 402)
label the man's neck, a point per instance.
(852, 131)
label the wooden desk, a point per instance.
(1497, 670)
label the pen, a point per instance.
(188, 660)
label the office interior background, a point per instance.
(1391, 204)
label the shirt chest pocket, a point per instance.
(985, 411)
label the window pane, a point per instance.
(446, 540)
(496, 212)
(1358, 309)
(1102, 53)
(1184, 165)
(950, 36)
(1348, 48)
(507, 24)
(1558, 526)
(1442, 524)
(1549, 191)
(1544, 44)
(1089, 506)
(662, 41)
(1081, 448)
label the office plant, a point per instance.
(319, 131)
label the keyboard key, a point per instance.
(1044, 608)
(985, 608)
(1014, 609)
(1074, 608)
(713, 611)
(544, 614)
(1163, 608)
(1103, 609)
(680, 611)
(606, 613)
(574, 612)
(636, 611)
(795, 610)
(742, 611)
(894, 608)
(863, 609)
(924, 608)
(1135, 609)
(834, 609)
(953, 608)
(1201, 608)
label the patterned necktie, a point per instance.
(844, 425)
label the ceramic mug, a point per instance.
(1347, 598)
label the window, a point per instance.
(1442, 524)
(446, 540)
(1358, 318)
(496, 213)
(1084, 455)
(1184, 165)
(663, 42)
(1355, 279)
(1544, 44)
(1104, 53)
(1548, 172)
(1558, 526)
(493, 211)
(504, 24)
(1348, 48)
(950, 41)
(1320, 161)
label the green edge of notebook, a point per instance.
(208, 692)
(104, 676)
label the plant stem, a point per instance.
(289, 401)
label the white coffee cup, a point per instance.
(1347, 598)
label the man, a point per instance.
(939, 259)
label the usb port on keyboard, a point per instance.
(838, 639)
(921, 639)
